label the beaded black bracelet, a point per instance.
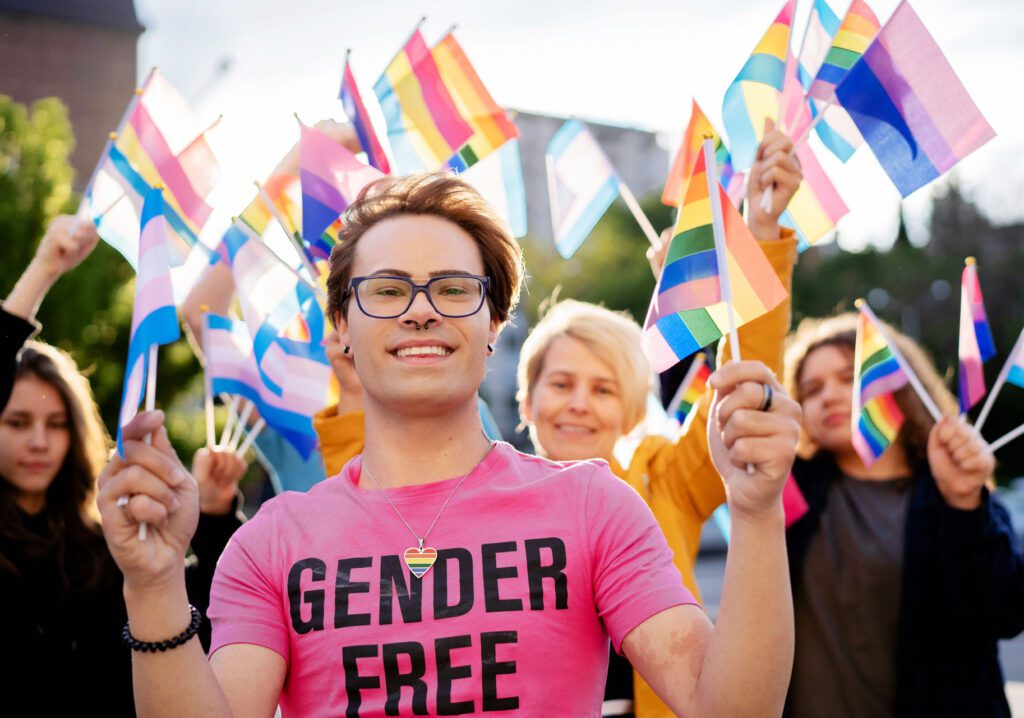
(150, 647)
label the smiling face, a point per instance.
(825, 388)
(575, 407)
(34, 441)
(440, 366)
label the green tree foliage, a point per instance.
(610, 268)
(88, 312)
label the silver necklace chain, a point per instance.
(440, 511)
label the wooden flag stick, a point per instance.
(243, 419)
(204, 340)
(231, 402)
(1003, 374)
(925, 397)
(150, 406)
(641, 218)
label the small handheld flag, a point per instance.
(352, 102)
(976, 344)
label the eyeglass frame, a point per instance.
(354, 282)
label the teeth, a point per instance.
(420, 351)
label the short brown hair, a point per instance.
(840, 331)
(436, 194)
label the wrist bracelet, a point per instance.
(153, 647)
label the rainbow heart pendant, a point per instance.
(419, 560)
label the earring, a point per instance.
(490, 349)
(347, 349)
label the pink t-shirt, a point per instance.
(538, 564)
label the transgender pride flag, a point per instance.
(976, 344)
(154, 320)
(909, 104)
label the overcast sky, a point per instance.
(633, 63)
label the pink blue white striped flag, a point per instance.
(909, 104)
(231, 366)
(352, 101)
(154, 319)
(331, 178)
(582, 184)
(498, 177)
(976, 343)
(1015, 374)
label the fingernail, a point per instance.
(180, 476)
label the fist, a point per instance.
(777, 170)
(217, 473)
(960, 461)
(66, 244)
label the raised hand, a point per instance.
(66, 244)
(161, 494)
(741, 433)
(960, 461)
(217, 473)
(775, 166)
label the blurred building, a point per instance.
(82, 51)
(641, 162)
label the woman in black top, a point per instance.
(905, 573)
(61, 603)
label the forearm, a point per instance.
(749, 660)
(28, 292)
(178, 682)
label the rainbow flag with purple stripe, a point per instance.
(875, 416)
(858, 29)
(154, 318)
(689, 309)
(909, 104)
(690, 390)
(686, 156)
(425, 128)
(352, 101)
(331, 179)
(753, 96)
(976, 343)
(491, 125)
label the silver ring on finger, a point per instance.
(122, 502)
(766, 401)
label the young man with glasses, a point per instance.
(441, 573)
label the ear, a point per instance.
(493, 331)
(525, 415)
(341, 324)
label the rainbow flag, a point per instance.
(686, 156)
(859, 28)
(154, 318)
(753, 96)
(690, 390)
(976, 343)
(909, 104)
(352, 102)
(331, 179)
(875, 416)
(491, 125)
(425, 128)
(689, 309)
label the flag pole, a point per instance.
(204, 340)
(1006, 438)
(925, 397)
(1003, 374)
(296, 242)
(236, 436)
(136, 96)
(150, 406)
(549, 165)
(253, 433)
(231, 402)
(721, 252)
(638, 214)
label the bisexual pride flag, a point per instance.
(909, 104)
(154, 319)
(976, 343)
(352, 101)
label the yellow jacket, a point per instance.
(676, 479)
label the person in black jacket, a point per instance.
(906, 573)
(61, 602)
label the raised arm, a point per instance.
(742, 665)
(239, 680)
